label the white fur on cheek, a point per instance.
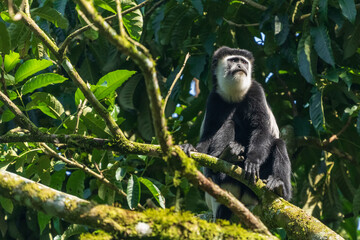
(232, 88)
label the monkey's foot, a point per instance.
(276, 185)
(187, 148)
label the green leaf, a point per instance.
(1, 60)
(333, 75)
(106, 194)
(133, 192)
(351, 39)
(75, 184)
(304, 58)
(73, 229)
(323, 10)
(346, 77)
(317, 111)
(20, 36)
(145, 126)
(51, 15)
(348, 9)
(197, 64)
(281, 29)
(94, 123)
(40, 81)
(60, 5)
(322, 44)
(6, 204)
(111, 81)
(356, 202)
(46, 103)
(31, 67)
(5, 44)
(198, 5)
(133, 21)
(11, 60)
(7, 116)
(126, 95)
(57, 179)
(43, 220)
(120, 174)
(79, 96)
(154, 190)
(104, 5)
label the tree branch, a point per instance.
(20, 117)
(313, 142)
(68, 39)
(274, 211)
(74, 75)
(178, 75)
(123, 223)
(241, 25)
(176, 158)
(87, 170)
(147, 66)
(335, 136)
(255, 5)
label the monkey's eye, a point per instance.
(243, 61)
(234, 60)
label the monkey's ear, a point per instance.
(213, 65)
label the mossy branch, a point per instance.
(273, 210)
(151, 224)
(144, 61)
(175, 157)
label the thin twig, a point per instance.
(154, 7)
(241, 25)
(82, 15)
(76, 33)
(74, 163)
(178, 75)
(20, 117)
(13, 16)
(335, 136)
(80, 111)
(27, 7)
(75, 77)
(147, 65)
(255, 5)
(121, 26)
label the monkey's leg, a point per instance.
(279, 180)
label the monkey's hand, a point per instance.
(236, 149)
(233, 153)
(276, 185)
(252, 169)
(187, 148)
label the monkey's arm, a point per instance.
(260, 138)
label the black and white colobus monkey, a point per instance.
(238, 117)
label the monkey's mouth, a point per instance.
(239, 71)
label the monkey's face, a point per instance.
(237, 66)
(233, 73)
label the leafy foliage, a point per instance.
(307, 59)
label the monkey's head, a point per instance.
(232, 69)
